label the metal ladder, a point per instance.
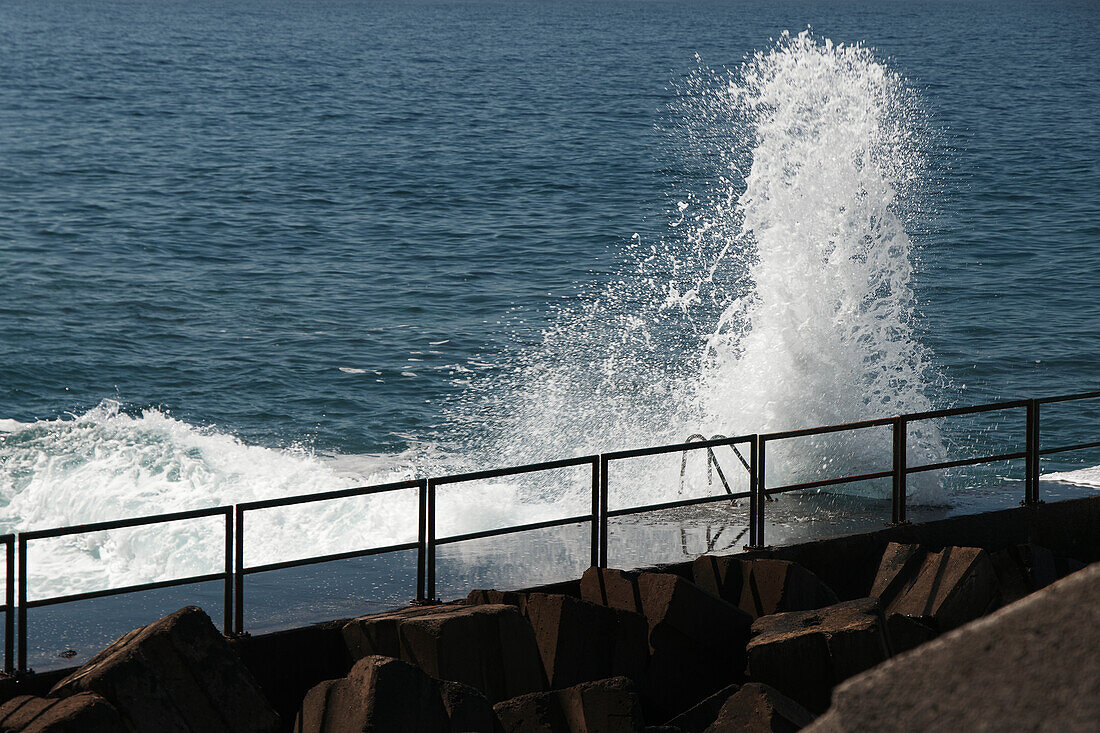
(712, 467)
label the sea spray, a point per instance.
(107, 464)
(779, 298)
(823, 333)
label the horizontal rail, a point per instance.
(351, 554)
(513, 530)
(41, 534)
(328, 495)
(966, 462)
(678, 504)
(804, 432)
(676, 447)
(73, 598)
(829, 482)
(1066, 448)
(515, 470)
(973, 410)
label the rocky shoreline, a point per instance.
(988, 621)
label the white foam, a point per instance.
(1079, 477)
(106, 464)
(823, 333)
(779, 299)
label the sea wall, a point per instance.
(881, 592)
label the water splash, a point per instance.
(106, 464)
(780, 297)
(823, 332)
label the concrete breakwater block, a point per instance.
(1023, 569)
(612, 588)
(696, 640)
(176, 674)
(758, 708)
(699, 717)
(804, 654)
(386, 695)
(490, 648)
(950, 588)
(760, 586)
(1031, 665)
(81, 713)
(604, 706)
(580, 641)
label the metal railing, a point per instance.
(24, 538)
(235, 570)
(432, 541)
(241, 570)
(707, 445)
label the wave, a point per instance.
(1079, 477)
(780, 298)
(106, 464)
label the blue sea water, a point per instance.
(212, 207)
(259, 232)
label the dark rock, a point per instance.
(1021, 569)
(804, 654)
(318, 653)
(697, 718)
(1029, 666)
(611, 588)
(468, 711)
(177, 674)
(1067, 565)
(630, 648)
(663, 729)
(379, 695)
(762, 586)
(607, 706)
(897, 567)
(81, 713)
(581, 641)
(757, 708)
(378, 633)
(952, 587)
(490, 647)
(1011, 577)
(697, 642)
(507, 597)
(537, 712)
(905, 633)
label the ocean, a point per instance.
(256, 249)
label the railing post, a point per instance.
(595, 558)
(603, 511)
(22, 604)
(230, 576)
(9, 600)
(429, 545)
(754, 482)
(898, 503)
(422, 539)
(238, 571)
(757, 489)
(1031, 462)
